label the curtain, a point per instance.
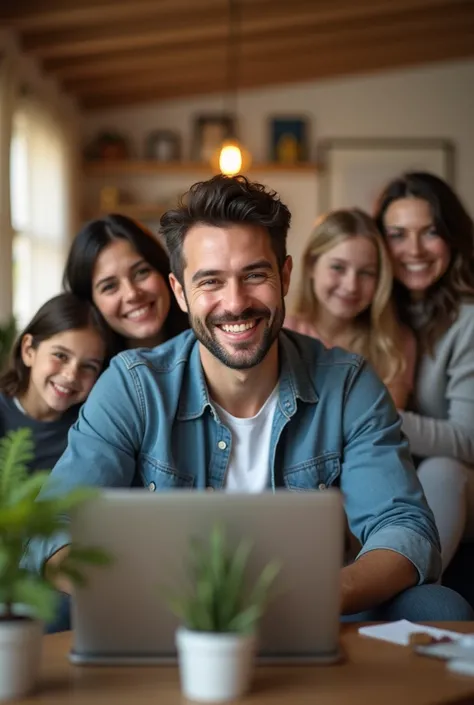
(7, 102)
(41, 203)
(39, 157)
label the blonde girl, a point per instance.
(345, 298)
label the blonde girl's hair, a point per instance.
(377, 334)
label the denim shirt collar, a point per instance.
(294, 382)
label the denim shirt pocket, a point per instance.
(158, 475)
(316, 473)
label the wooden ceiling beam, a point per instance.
(343, 60)
(26, 16)
(130, 62)
(126, 63)
(79, 14)
(212, 60)
(212, 26)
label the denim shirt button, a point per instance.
(152, 487)
(322, 486)
(222, 445)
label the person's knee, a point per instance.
(426, 603)
(442, 471)
(449, 605)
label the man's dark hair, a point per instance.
(220, 201)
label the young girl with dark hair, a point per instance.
(54, 365)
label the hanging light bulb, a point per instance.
(230, 159)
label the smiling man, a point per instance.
(238, 404)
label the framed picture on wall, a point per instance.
(163, 146)
(289, 142)
(354, 171)
(210, 131)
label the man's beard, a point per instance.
(204, 333)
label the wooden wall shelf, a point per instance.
(137, 211)
(148, 167)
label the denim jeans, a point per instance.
(62, 619)
(458, 575)
(423, 603)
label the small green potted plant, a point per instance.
(219, 614)
(28, 599)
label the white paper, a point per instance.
(400, 632)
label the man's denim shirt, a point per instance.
(149, 420)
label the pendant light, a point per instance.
(233, 158)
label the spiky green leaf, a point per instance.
(217, 600)
(245, 621)
(89, 555)
(29, 488)
(178, 606)
(5, 560)
(24, 516)
(16, 451)
(266, 579)
(235, 581)
(35, 592)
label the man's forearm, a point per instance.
(374, 578)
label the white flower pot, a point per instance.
(214, 667)
(20, 654)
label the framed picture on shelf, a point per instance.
(289, 140)
(354, 171)
(210, 131)
(108, 146)
(163, 146)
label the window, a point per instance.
(38, 208)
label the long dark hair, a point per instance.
(89, 243)
(61, 313)
(454, 224)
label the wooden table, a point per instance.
(373, 672)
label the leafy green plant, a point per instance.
(218, 599)
(24, 517)
(7, 338)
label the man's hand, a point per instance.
(374, 578)
(60, 582)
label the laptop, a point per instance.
(121, 617)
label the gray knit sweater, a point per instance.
(442, 420)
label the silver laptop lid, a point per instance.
(122, 614)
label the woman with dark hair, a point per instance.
(430, 237)
(54, 363)
(121, 268)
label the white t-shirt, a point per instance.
(249, 463)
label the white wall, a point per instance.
(435, 101)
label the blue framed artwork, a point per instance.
(289, 140)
